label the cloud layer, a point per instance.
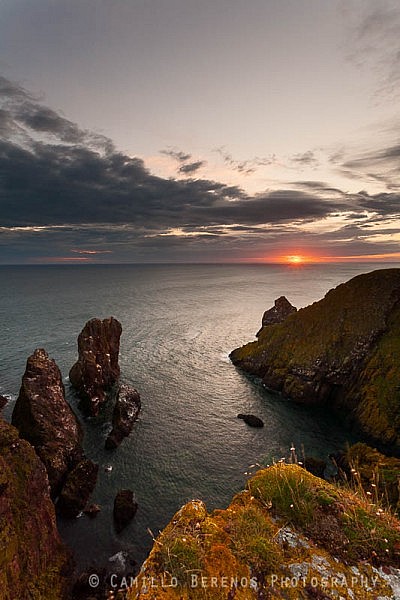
(68, 194)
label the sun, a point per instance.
(295, 259)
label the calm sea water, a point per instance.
(179, 325)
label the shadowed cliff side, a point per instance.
(33, 561)
(342, 351)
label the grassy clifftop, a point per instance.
(288, 535)
(342, 350)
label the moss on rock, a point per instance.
(342, 350)
(288, 535)
(34, 564)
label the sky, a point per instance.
(136, 131)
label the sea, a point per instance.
(179, 324)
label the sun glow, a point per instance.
(295, 259)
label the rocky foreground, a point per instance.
(34, 563)
(289, 535)
(342, 351)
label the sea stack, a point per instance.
(278, 313)
(96, 370)
(44, 418)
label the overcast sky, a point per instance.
(199, 130)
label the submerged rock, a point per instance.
(126, 412)
(44, 418)
(251, 420)
(77, 489)
(92, 510)
(34, 563)
(278, 313)
(341, 351)
(3, 401)
(125, 509)
(96, 370)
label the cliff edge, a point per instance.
(342, 351)
(288, 535)
(34, 563)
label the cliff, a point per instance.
(288, 535)
(341, 351)
(34, 564)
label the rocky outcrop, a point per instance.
(77, 489)
(96, 370)
(44, 418)
(278, 313)
(125, 509)
(289, 535)
(341, 351)
(126, 412)
(3, 401)
(33, 561)
(251, 420)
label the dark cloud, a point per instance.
(177, 154)
(68, 192)
(384, 204)
(21, 113)
(304, 159)
(191, 168)
(386, 156)
(380, 165)
(245, 167)
(44, 120)
(317, 186)
(185, 167)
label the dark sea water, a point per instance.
(179, 324)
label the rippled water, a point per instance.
(179, 324)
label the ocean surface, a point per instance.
(179, 324)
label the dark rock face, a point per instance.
(379, 475)
(126, 411)
(77, 489)
(316, 466)
(44, 418)
(341, 351)
(278, 313)
(97, 368)
(251, 420)
(125, 509)
(3, 402)
(33, 561)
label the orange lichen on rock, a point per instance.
(288, 535)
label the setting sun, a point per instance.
(295, 259)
